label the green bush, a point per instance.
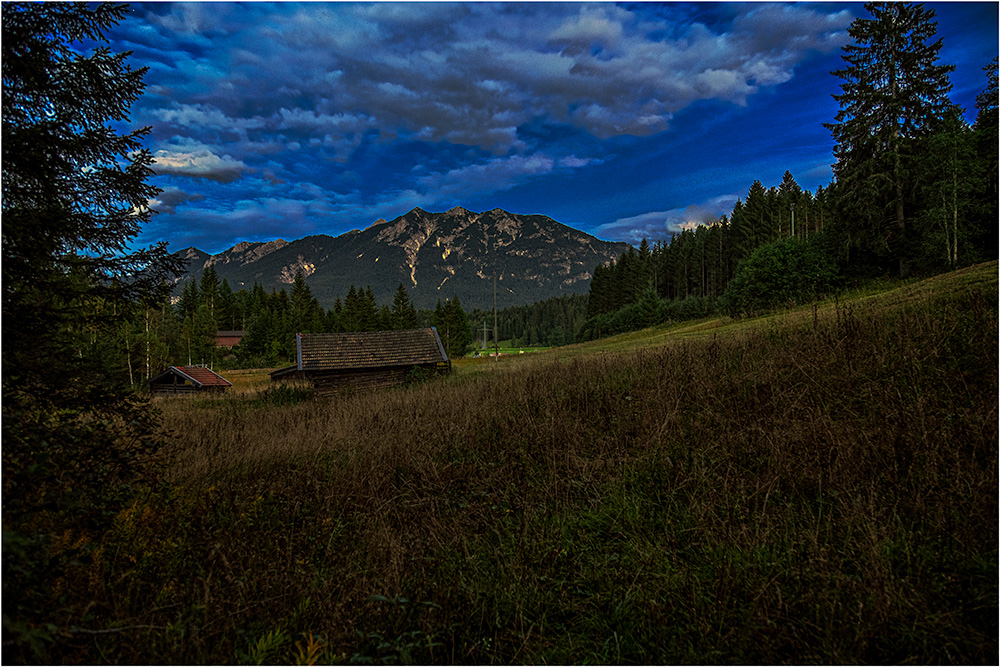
(785, 272)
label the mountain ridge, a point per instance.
(434, 255)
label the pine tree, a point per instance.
(453, 326)
(74, 198)
(370, 320)
(226, 308)
(404, 315)
(303, 306)
(946, 184)
(894, 91)
(350, 317)
(189, 300)
(209, 287)
(757, 228)
(983, 236)
(789, 193)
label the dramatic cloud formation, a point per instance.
(314, 116)
(191, 159)
(661, 225)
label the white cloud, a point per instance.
(188, 158)
(659, 225)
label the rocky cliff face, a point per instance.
(434, 255)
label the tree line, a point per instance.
(914, 192)
(182, 331)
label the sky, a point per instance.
(626, 121)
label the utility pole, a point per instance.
(484, 334)
(793, 219)
(496, 341)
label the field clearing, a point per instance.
(817, 485)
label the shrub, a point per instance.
(785, 272)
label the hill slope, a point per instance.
(981, 277)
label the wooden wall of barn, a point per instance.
(331, 382)
(164, 389)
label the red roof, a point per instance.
(204, 377)
(197, 375)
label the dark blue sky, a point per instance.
(626, 121)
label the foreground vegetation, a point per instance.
(818, 486)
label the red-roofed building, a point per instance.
(187, 379)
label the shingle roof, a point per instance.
(198, 375)
(204, 376)
(369, 349)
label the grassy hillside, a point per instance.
(814, 486)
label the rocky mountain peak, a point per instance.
(435, 255)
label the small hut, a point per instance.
(364, 360)
(187, 380)
(228, 339)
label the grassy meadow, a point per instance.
(814, 486)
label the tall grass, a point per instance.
(818, 490)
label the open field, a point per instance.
(817, 485)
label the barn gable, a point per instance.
(186, 379)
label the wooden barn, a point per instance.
(187, 380)
(364, 360)
(228, 339)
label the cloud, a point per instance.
(205, 116)
(187, 158)
(491, 176)
(343, 69)
(171, 197)
(215, 228)
(660, 225)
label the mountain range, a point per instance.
(434, 255)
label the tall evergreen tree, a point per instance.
(984, 235)
(404, 315)
(74, 198)
(894, 91)
(189, 300)
(227, 308)
(453, 326)
(209, 287)
(306, 313)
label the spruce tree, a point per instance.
(209, 287)
(404, 315)
(74, 198)
(189, 299)
(894, 91)
(987, 167)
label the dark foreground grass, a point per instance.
(820, 491)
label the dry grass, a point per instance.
(819, 487)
